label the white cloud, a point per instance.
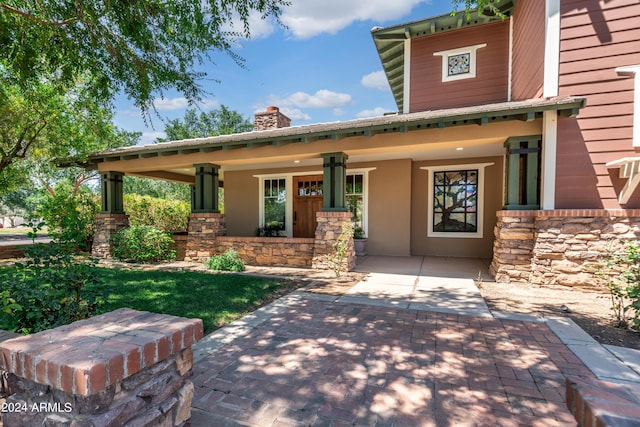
(376, 112)
(376, 80)
(150, 137)
(321, 99)
(308, 18)
(258, 27)
(296, 114)
(180, 103)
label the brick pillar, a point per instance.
(328, 230)
(107, 225)
(204, 229)
(126, 367)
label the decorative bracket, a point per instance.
(629, 169)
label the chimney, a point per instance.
(271, 119)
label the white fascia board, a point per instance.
(552, 49)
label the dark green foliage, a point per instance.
(222, 121)
(142, 244)
(49, 289)
(270, 229)
(217, 299)
(141, 48)
(228, 261)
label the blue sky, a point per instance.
(323, 68)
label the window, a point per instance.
(458, 64)
(277, 192)
(455, 201)
(275, 203)
(355, 198)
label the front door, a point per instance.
(307, 200)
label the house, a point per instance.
(515, 140)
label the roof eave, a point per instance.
(476, 115)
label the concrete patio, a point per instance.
(413, 344)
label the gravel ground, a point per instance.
(589, 309)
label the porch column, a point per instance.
(335, 182)
(205, 197)
(111, 190)
(112, 217)
(206, 223)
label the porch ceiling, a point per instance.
(479, 130)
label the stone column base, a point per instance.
(328, 231)
(204, 229)
(106, 226)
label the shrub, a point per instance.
(142, 244)
(49, 289)
(228, 261)
(71, 215)
(167, 215)
(341, 249)
(621, 272)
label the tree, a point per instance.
(222, 121)
(490, 5)
(139, 47)
(156, 188)
(43, 122)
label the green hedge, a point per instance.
(167, 215)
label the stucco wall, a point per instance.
(421, 244)
(389, 207)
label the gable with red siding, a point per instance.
(429, 92)
(528, 50)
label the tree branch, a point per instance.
(35, 18)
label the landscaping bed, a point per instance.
(590, 309)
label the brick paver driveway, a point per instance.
(337, 364)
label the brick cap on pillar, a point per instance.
(111, 215)
(206, 215)
(334, 214)
(85, 357)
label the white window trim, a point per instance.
(288, 177)
(445, 54)
(634, 70)
(480, 213)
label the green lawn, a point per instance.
(217, 299)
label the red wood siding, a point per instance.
(528, 50)
(428, 92)
(596, 37)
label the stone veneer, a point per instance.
(126, 367)
(275, 251)
(204, 229)
(328, 230)
(106, 226)
(558, 246)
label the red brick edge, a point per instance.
(600, 403)
(572, 213)
(87, 356)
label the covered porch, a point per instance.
(289, 189)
